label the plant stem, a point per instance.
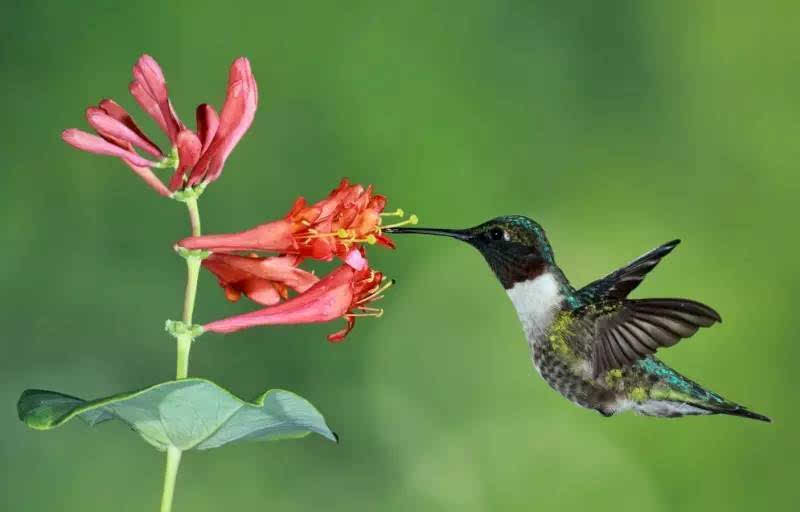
(185, 341)
(184, 347)
(194, 215)
(170, 475)
(192, 273)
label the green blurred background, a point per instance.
(618, 125)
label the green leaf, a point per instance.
(186, 414)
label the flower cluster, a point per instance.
(261, 263)
(338, 226)
(196, 156)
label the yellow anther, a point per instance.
(412, 219)
(343, 233)
(371, 240)
(397, 213)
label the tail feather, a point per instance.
(733, 409)
(684, 396)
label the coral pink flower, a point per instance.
(350, 216)
(265, 281)
(344, 293)
(198, 157)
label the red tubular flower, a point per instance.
(198, 157)
(222, 134)
(263, 280)
(351, 215)
(344, 293)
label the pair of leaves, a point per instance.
(187, 414)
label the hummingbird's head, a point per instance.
(514, 246)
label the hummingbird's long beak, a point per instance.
(452, 233)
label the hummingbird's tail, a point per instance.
(675, 395)
(735, 409)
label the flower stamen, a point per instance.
(412, 219)
(376, 314)
(376, 292)
(397, 213)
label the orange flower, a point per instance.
(350, 216)
(344, 293)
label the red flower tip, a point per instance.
(153, 92)
(234, 120)
(100, 146)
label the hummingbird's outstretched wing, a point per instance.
(618, 284)
(628, 330)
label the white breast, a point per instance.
(536, 302)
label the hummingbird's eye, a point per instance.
(498, 234)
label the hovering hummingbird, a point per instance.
(594, 345)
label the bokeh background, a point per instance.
(618, 125)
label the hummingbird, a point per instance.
(594, 345)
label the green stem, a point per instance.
(192, 273)
(184, 347)
(185, 341)
(170, 475)
(194, 215)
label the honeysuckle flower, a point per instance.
(265, 281)
(350, 216)
(197, 156)
(346, 293)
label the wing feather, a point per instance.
(629, 330)
(618, 284)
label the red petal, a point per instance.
(385, 241)
(340, 335)
(189, 147)
(207, 124)
(281, 270)
(260, 291)
(148, 104)
(318, 249)
(236, 116)
(148, 73)
(113, 109)
(272, 236)
(100, 146)
(330, 298)
(112, 128)
(334, 200)
(366, 223)
(377, 203)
